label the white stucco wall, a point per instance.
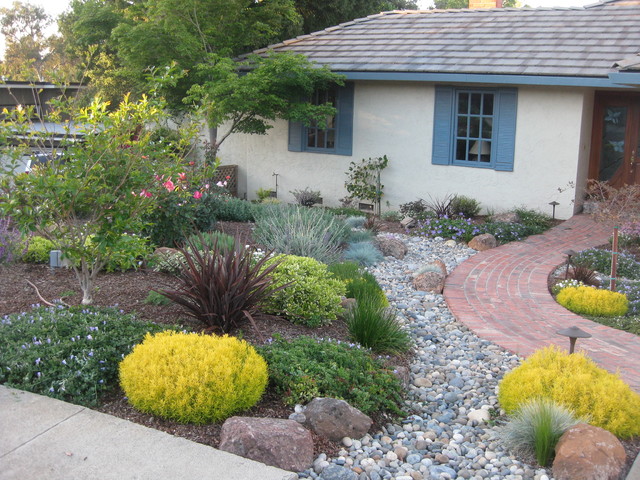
(396, 119)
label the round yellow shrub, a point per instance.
(577, 383)
(593, 301)
(193, 378)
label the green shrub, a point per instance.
(313, 296)
(376, 327)
(307, 197)
(631, 289)
(391, 216)
(577, 383)
(263, 194)
(223, 208)
(365, 253)
(128, 254)
(534, 219)
(306, 367)
(346, 271)
(455, 228)
(200, 241)
(155, 298)
(600, 260)
(37, 250)
(296, 230)
(172, 221)
(346, 211)
(588, 300)
(506, 232)
(67, 353)
(465, 206)
(570, 282)
(193, 378)
(418, 210)
(536, 428)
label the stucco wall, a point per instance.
(396, 119)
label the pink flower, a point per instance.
(169, 185)
(221, 184)
(182, 176)
(207, 186)
(145, 193)
(197, 194)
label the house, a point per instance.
(509, 106)
(38, 96)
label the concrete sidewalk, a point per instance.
(44, 438)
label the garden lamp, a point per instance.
(553, 204)
(569, 254)
(573, 333)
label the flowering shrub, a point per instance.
(193, 378)
(600, 260)
(67, 353)
(307, 367)
(593, 301)
(577, 383)
(456, 228)
(631, 289)
(564, 284)
(629, 234)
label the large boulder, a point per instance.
(391, 246)
(277, 442)
(408, 222)
(429, 282)
(507, 217)
(336, 419)
(585, 452)
(482, 242)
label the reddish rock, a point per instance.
(429, 282)
(586, 452)
(483, 242)
(390, 246)
(508, 217)
(336, 419)
(280, 443)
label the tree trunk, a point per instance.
(85, 278)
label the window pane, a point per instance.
(487, 127)
(331, 138)
(462, 126)
(474, 127)
(461, 150)
(485, 152)
(487, 105)
(320, 141)
(463, 103)
(476, 101)
(311, 138)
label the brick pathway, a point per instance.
(502, 296)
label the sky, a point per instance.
(56, 7)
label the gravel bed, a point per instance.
(453, 381)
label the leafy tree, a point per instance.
(23, 28)
(246, 97)
(110, 173)
(318, 15)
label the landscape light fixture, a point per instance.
(553, 204)
(573, 333)
(569, 254)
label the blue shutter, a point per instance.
(296, 130)
(506, 132)
(344, 120)
(442, 129)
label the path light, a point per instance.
(573, 333)
(569, 254)
(554, 204)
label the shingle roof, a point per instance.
(583, 42)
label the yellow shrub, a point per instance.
(593, 301)
(193, 378)
(577, 383)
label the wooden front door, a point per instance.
(615, 147)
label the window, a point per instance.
(475, 127)
(336, 138)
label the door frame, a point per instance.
(601, 98)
